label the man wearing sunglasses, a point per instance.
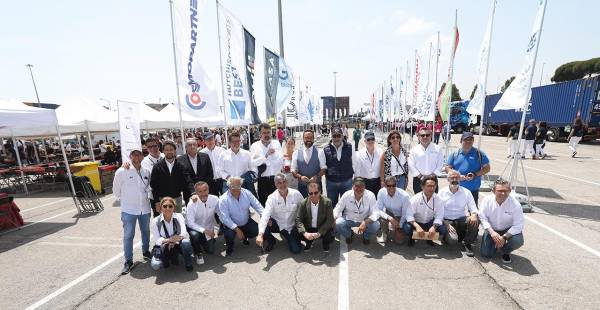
(357, 208)
(472, 164)
(425, 158)
(314, 218)
(367, 163)
(392, 203)
(338, 158)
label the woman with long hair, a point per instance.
(395, 161)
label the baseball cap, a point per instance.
(369, 135)
(208, 135)
(466, 135)
(336, 130)
(358, 181)
(137, 148)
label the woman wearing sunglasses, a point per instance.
(171, 236)
(395, 161)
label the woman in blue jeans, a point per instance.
(395, 161)
(171, 237)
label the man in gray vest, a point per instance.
(308, 163)
(338, 158)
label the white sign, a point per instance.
(129, 128)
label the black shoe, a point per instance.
(574, 153)
(246, 242)
(506, 259)
(228, 252)
(147, 255)
(308, 246)
(270, 245)
(189, 268)
(462, 247)
(469, 250)
(325, 247)
(411, 242)
(431, 243)
(127, 267)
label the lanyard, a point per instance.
(141, 178)
(358, 205)
(432, 208)
(370, 158)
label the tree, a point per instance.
(473, 92)
(507, 84)
(576, 70)
(455, 92)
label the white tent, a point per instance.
(19, 120)
(81, 115)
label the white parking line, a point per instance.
(80, 279)
(46, 204)
(343, 288)
(556, 232)
(87, 245)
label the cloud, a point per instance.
(410, 25)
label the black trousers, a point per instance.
(216, 187)
(327, 239)
(266, 186)
(374, 185)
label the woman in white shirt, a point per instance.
(290, 146)
(394, 161)
(171, 236)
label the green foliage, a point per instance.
(507, 84)
(455, 92)
(473, 92)
(576, 70)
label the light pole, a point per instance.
(334, 95)
(34, 87)
(542, 73)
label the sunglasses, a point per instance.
(427, 135)
(337, 136)
(395, 137)
(168, 206)
(152, 146)
(370, 139)
(390, 185)
(313, 193)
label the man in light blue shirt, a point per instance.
(392, 203)
(234, 213)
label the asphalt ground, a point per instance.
(62, 260)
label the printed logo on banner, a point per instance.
(193, 100)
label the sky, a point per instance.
(122, 49)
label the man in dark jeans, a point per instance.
(338, 158)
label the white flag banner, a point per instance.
(233, 68)
(477, 103)
(292, 115)
(129, 128)
(315, 110)
(198, 94)
(285, 86)
(303, 93)
(515, 97)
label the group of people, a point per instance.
(187, 201)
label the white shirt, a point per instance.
(314, 211)
(423, 211)
(170, 165)
(194, 162)
(508, 215)
(397, 204)
(200, 216)
(396, 169)
(367, 165)
(357, 211)
(455, 204)
(179, 149)
(218, 138)
(149, 161)
(132, 189)
(274, 161)
(158, 231)
(426, 161)
(282, 210)
(233, 164)
(215, 159)
(307, 152)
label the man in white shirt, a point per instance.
(392, 203)
(425, 158)
(308, 163)
(426, 213)
(237, 162)
(501, 216)
(154, 154)
(132, 188)
(268, 157)
(214, 152)
(171, 238)
(367, 163)
(279, 216)
(200, 221)
(457, 200)
(357, 208)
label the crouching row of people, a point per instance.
(451, 216)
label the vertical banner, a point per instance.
(302, 102)
(516, 96)
(129, 128)
(271, 84)
(416, 81)
(446, 96)
(292, 118)
(233, 62)
(249, 43)
(285, 86)
(198, 94)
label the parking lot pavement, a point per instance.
(74, 261)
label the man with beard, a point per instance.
(167, 178)
(268, 157)
(196, 166)
(339, 156)
(308, 163)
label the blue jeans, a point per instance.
(128, 221)
(336, 189)
(344, 228)
(408, 228)
(292, 239)
(167, 256)
(401, 181)
(488, 247)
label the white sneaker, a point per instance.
(381, 239)
(200, 260)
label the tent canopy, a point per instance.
(80, 115)
(20, 120)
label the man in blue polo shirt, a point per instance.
(471, 162)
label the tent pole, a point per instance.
(20, 164)
(35, 150)
(62, 148)
(90, 146)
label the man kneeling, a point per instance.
(357, 208)
(314, 218)
(426, 213)
(501, 216)
(171, 236)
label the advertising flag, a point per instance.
(271, 84)
(129, 128)
(250, 61)
(446, 95)
(285, 86)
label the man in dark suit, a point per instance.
(196, 166)
(169, 179)
(314, 218)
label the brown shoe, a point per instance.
(366, 241)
